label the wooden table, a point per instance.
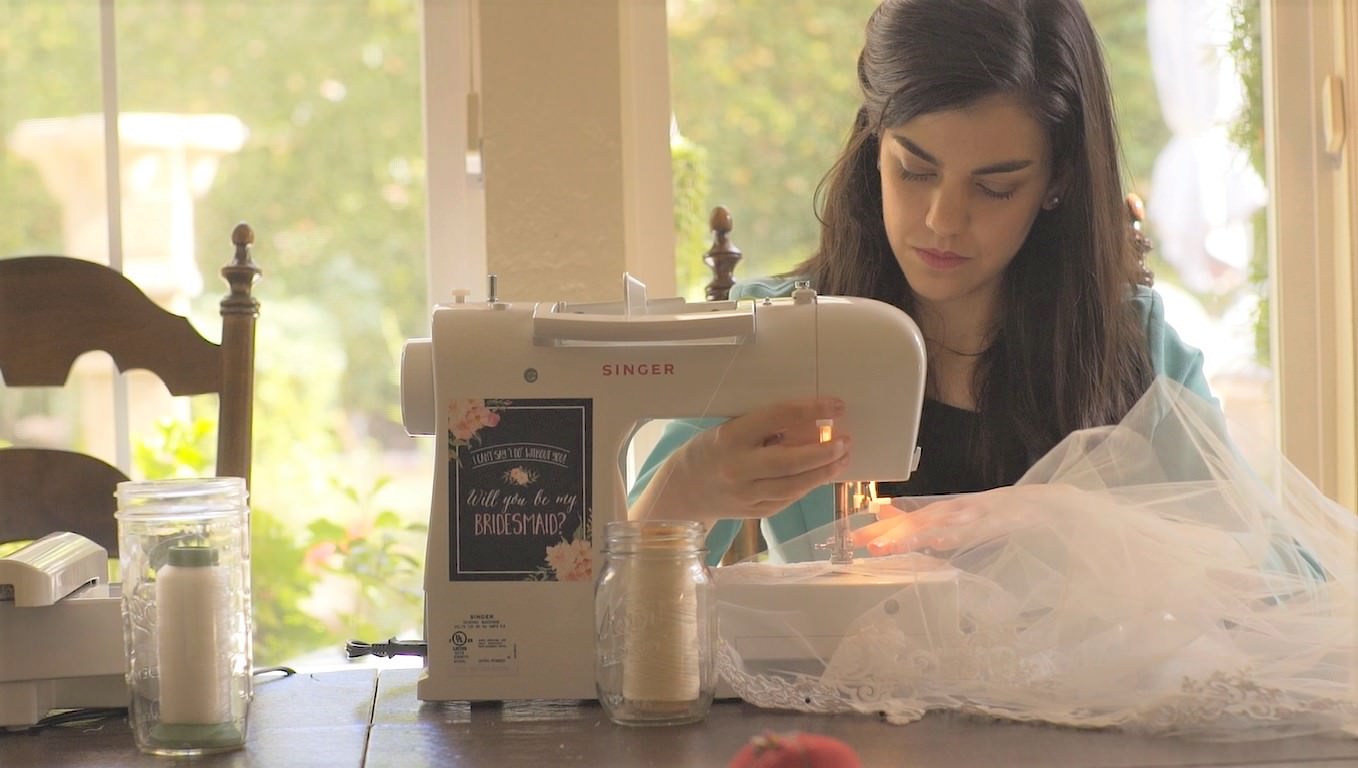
(371, 717)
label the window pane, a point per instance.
(304, 120)
(49, 67)
(765, 92)
(1192, 133)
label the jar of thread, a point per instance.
(655, 624)
(185, 560)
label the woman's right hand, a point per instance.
(754, 465)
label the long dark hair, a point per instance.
(1068, 351)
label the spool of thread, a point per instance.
(191, 629)
(662, 660)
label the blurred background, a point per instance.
(305, 119)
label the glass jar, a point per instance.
(184, 551)
(655, 623)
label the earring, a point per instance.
(1052, 202)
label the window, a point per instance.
(303, 119)
(762, 104)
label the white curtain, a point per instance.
(1203, 189)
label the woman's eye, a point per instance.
(995, 194)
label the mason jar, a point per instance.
(184, 551)
(655, 623)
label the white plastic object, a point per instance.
(51, 568)
(417, 387)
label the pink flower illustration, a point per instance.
(520, 476)
(571, 560)
(467, 417)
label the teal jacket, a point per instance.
(1170, 357)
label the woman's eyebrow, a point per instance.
(1008, 166)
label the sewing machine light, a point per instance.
(826, 428)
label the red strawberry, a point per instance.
(795, 750)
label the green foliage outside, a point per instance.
(767, 89)
(691, 211)
(1121, 25)
(364, 557)
(1246, 48)
(279, 580)
(378, 555)
(331, 176)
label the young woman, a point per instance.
(980, 192)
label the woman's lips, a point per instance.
(940, 259)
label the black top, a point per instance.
(948, 458)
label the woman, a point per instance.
(980, 192)
(1126, 567)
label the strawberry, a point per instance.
(795, 750)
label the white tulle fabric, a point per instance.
(1151, 576)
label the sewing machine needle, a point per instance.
(846, 499)
(841, 550)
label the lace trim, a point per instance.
(878, 672)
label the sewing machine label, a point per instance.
(519, 492)
(481, 644)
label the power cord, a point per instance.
(278, 670)
(390, 649)
(82, 716)
(94, 715)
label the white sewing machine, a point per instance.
(534, 405)
(61, 630)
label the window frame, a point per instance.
(1313, 312)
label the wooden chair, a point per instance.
(54, 309)
(722, 257)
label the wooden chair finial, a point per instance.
(722, 257)
(242, 236)
(241, 274)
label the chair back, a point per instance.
(53, 309)
(722, 256)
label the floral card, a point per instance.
(520, 476)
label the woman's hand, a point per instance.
(754, 465)
(962, 521)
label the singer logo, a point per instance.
(638, 369)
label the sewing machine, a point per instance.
(61, 630)
(534, 405)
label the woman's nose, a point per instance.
(947, 212)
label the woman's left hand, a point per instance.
(963, 521)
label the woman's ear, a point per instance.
(1056, 189)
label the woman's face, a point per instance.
(960, 190)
